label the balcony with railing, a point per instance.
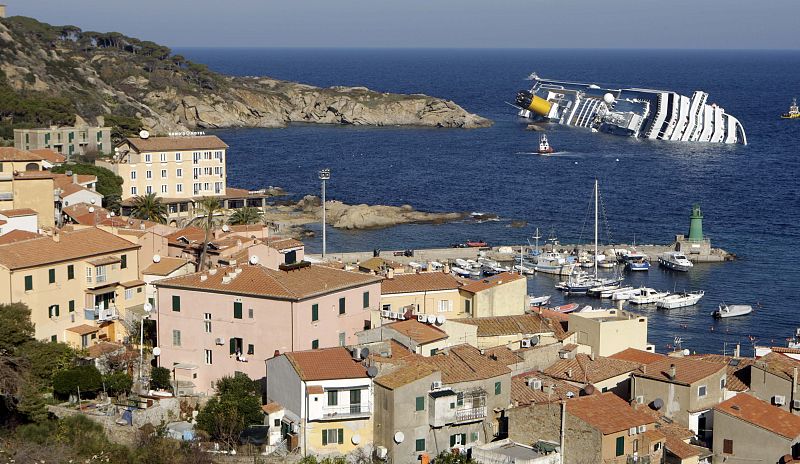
(470, 414)
(101, 314)
(348, 411)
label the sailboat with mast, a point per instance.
(581, 283)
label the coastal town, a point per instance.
(153, 310)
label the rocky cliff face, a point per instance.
(108, 73)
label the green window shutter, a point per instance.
(420, 444)
(176, 303)
(314, 344)
(51, 276)
(70, 272)
(341, 305)
(366, 300)
(341, 436)
(324, 437)
(452, 441)
(233, 345)
(71, 306)
(314, 312)
(28, 282)
(237, 310)
(53, 338)
(420, 403)
(498, 388)
(123, 262)
(251, 349)
(620, 446)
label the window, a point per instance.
(179, 188)
(147, 158)
(445, 306)
(366, 300)
(51, 276)
(149, 189)
(620, 446)
(123, 263)
(498, 388)
(341, 305)
(72, 306)
(314, 344)
(251, 349)
(460, 399)
(177, 158)
(727, 446)
(657, 446)
(53, 311)
(53, 338)
(473, 437)
(206, 186)
(176, 338)
(701, 391)
(28, 283)
(70, 272)
(237, 310)
(128, 293)
(723, 382)
(148, 174)
(333, 398)
(249, 313)
(176, 303)
(467, 306)
(420, 403)
(236, 345)
(88, 274)
(458, 439)
(163, 173)
(420, 445)
(314, 312)
(207, 322)
(386, 307)
(133, 190)
(332, 436)
(341, 338)
(179, 173)
(209, 357)
(635, 445)
(133, 175)
(163, 157)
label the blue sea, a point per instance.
(749, 194)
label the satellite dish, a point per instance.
(225, 228)
(92, 201)
(254, 260)
(440, 320)
(431, 319)
(608, 98)
(399, 437)
(658, 403)
(364, 352)
(156, 258)
(156, 351)
(372, 372)
(686, 352)
(91, 209)
(148, 307)
(143, 134)
(356, 439)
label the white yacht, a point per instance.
(725, 310)
(680, 300)
(648, 295)
(675, 260)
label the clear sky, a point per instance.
(733, 24)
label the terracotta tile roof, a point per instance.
(491, 282)
(189, 234)
(13, 154)
(555, 315)
(759, 413)
(18, 212)
(283, 244)
(81, 215)
(422, 282)
(607, 413)
(296, 284)
(681, 449)
(271, 408)
(504, 355)
(419, 332)
(165, 267)
(206, 142)
(103, 348)
(637, 356)
(778, 364)
(78, 244)
(105, 260)
(464, 363)
(785, 350)
(70, 189)
(738, 370)
(133, 283)
(524, 395)
(687, 370)
(399, 354)
(406, 374)
(84, 329)
(315, 390)
(63, 180)
(326, 364)
(508, 325)
(47, 154)
(377, 263)
(584, 370)
(236, 192)
(33, 175)
(17, 236)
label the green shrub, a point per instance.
(160, 379)
(87, 378)
(108, 183)
(118, 383)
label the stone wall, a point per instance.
(543, 422)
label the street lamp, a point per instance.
(147, 308)
(324, 175)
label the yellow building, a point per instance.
(433, 293)
(80, 285)
(23, 184)
(609, 332)
(173, 168)
(504, 294)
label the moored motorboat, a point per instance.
(725, 311)
(680, 300)
(460, 272)
(567, 308)
(675, 261)
(538, 300)
(636, 261)
(598, 291)
(648, 295)
(626, 293)
(614, 291)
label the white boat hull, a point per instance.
(679, 301)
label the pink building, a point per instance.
(233, 318)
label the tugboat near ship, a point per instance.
(544, 146)
(794, 111)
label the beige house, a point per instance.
(416, 336)
(79, 285)
(520, 331)
(171, 167)
(747, 429)
(65, 140)
(775, 378)
(604, 374)
(504, 294)
(162, 268)
(434, 293)
(609, 332)
(23, 185)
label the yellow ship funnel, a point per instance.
(538, 105)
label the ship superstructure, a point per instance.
(634, 112)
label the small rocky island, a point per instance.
(108, 77)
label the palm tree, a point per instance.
(246, 215)
(207, 207)
(149, 207)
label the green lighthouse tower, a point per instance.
(696, 224)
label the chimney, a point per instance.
(446, 268)
(390, 273)
(276, 353)
(591, 355)
(644, 368)
(672, 371)
(203, 277)
(737, 351)
(569, 373)
(74, 178)
(56, 236)
(794, 383)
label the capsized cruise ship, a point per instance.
(643, 113)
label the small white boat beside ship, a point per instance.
(680, 300)
(675, 261)
(725, 311)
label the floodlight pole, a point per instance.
(324, 175)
